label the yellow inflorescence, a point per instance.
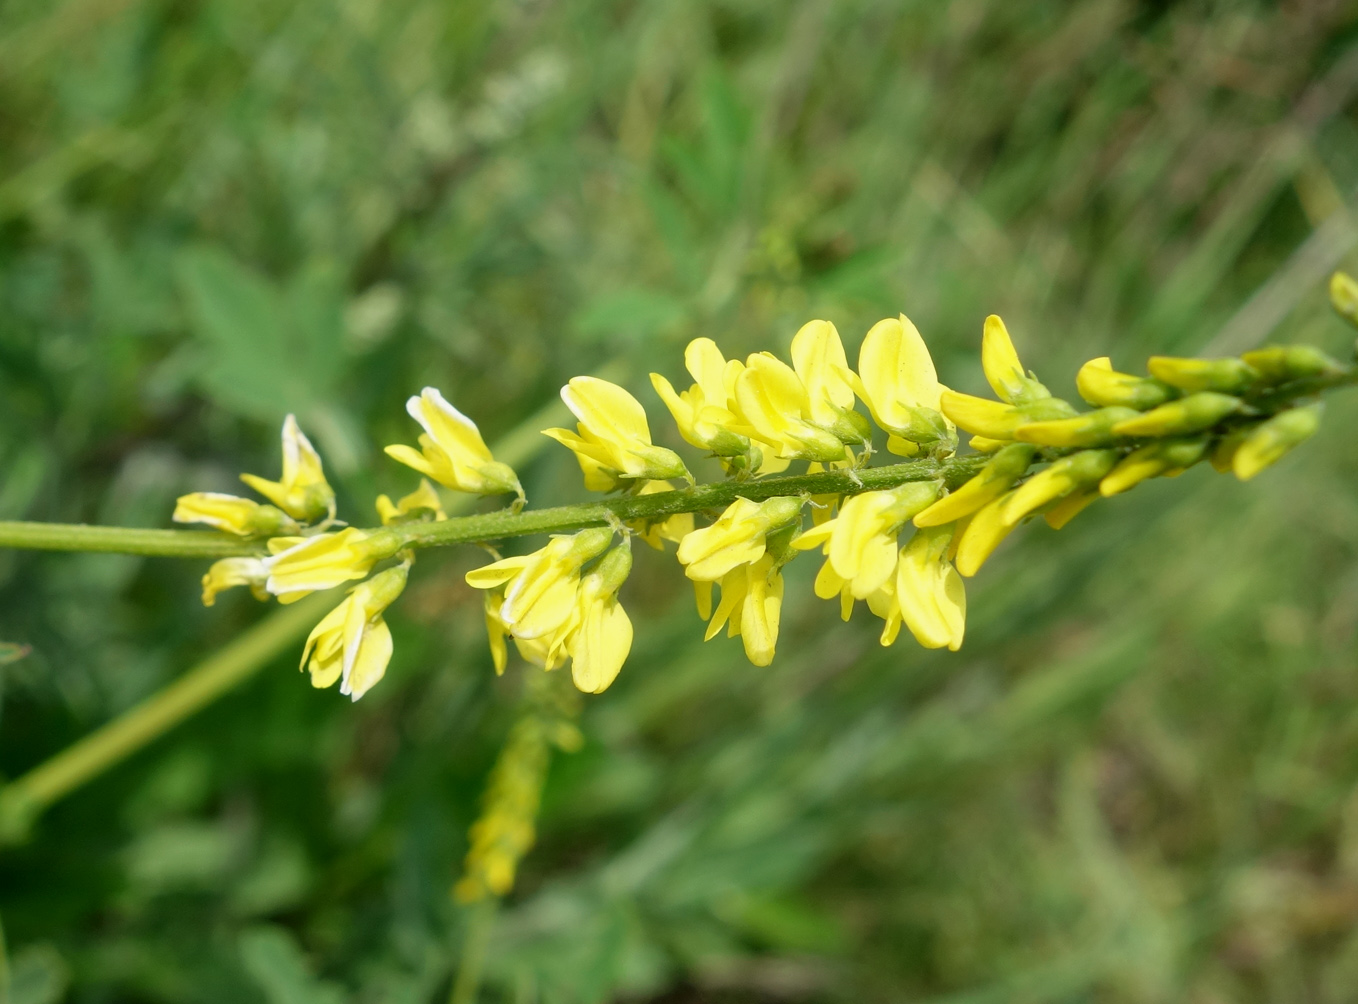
(903, 550)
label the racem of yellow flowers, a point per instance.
(901, 538)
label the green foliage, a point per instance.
(1133, 784)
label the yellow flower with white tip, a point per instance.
(540, 588)
(352, 643)
(452, 451)
(327, 560)
(422, 503)
(302, 492)
(613, 439)
(1270, 442)
(228, 573)
(738, 537)
(929, 591)
(674, 528)
(603, 635)
(898, 383)
(1003, 370)
(232, 514)
(860, 543)
(751, 607)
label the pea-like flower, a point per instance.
(929, 592)
(452, 451)
(898, 383)
(327, 560)
(302, 492)
(738, 537)
(232, 514)
(603, 635)
(352, 643)
(1272, 440)
(422, 503)
(750, 607)
(613, 439)
(228, 573)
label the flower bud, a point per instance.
(1094, 428)
(994, 479)
(1061, 478)
(1281, 363)
(1344, 296)
(1225, 376)
(1164, 458)
(1272, 440)
(1190, 414)
(1099, 384)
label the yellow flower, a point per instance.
(1002, 368)
(613, 445)
(929, 592)
(898, 383)
(352, 643)
(674, 528)
(860, 543)
(302, 492)
(231, 572)
(1280, 363)
(1099, 384)
(452, 451)
(1344, 296)
(1069, 474)
(1268, 443)
(1167, 458)
(539, 602)
(706, 412)
(327, 560)
(981, 535)
(1189, 414)
(818, 360)
(1094, 428)
(603, 636)
(1226, 376)
(738, 537)
(751, 605)
(422, 502)
(232, 514)
(994, 420)
(999, 474)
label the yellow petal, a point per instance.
(1001, 363)
(607, 410)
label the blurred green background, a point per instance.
(1136, 783)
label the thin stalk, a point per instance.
(124, 540)
(24, 799)
(480, 921)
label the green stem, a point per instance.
(504, 523)
(25, 798)
(480, 921)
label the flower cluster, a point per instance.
(902, 545)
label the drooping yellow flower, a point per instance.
(929, 591)
(232, 514)
(613, 443)
(860, 543)
(539, 608)
(352, 643)
(327, 560)
(603, 635)
(302, 492)
(674, 528)
(228, 573)
(452, 451)
(1268, 443)
(738, 537)
(898, 383)
(422, 503)
(706, 413)
(751, 606)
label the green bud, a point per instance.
(1047, 409)
(926, 426)
(1344, 297)
(1094, 428)
(1190, 414)
(1060, 479)
(590, 543)
(994, 479)
(782, 510)
(852, 428)
(614, 566)
(1225, 376)
(1168, 457)
(1281, 363)
(1272, 440)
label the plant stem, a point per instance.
(504, 523)
(480, 921)
(24, 799)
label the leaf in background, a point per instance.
(275, 961)
(11, 652)
(636, 315)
